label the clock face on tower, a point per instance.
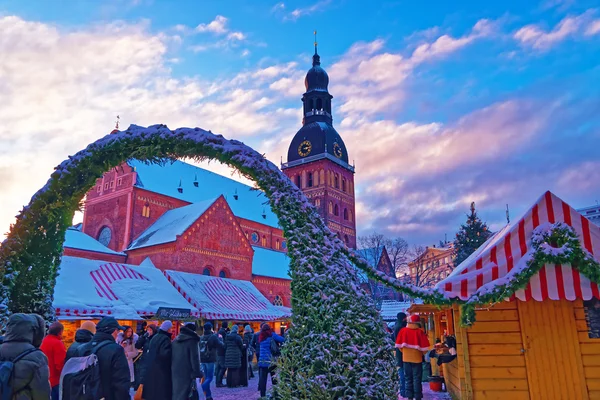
(337, 150)
(305, 148)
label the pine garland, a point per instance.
(337, 348)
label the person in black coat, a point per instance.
(143, 344)
(234, 349)
(220, 366)
(157, 382)
(400, 323)
(83, 335)
(185, 364)
(210, 341)
(248, 337)
(114, 370)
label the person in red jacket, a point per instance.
(413, 343)
(53, 347)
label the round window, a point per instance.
(105, 235)
(255, 238)
(284, 245)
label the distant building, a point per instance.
(380, 260)
(433, 265)
(592, 213)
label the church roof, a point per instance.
(171, 224)
(75, 239)
(165, 179)
(324, 140)
(274, 264)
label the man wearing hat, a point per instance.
(157, 382)
(84, 334)
(185, 364)
(414, 343)
(114, 370)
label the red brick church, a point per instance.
(184, 218)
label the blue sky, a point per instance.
(440, 103)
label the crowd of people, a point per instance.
(112, 362)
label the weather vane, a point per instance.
(117, 122)
(315, 32)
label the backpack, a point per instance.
(275, 350)
(80, 377)
(203, 346)
(6, 371)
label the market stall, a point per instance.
(91, 289)
(538, 334)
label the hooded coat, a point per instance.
(30, 374)
(82, 336)
(185, 364)
(114, 371)
(157, 382)
(234, 346)
(130, 351)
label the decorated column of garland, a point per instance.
(336, 348)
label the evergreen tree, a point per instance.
(470, 236)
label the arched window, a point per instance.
(322, 180)
(343, 185)
(350, 216)
(206, 272)
(264, 241)
(310, 179)
(105, 235)
(277, 244)
(319, 104)
(146, 210)
(316, 178)
(345, 214)
(298, 181)
(317, 203)
(330, 207)
(278, 301)
(336, 210)
(222, 274)
(346, 240)
(336, 181)
(312, 104)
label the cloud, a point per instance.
(301, 11)
(538, 38)
(593, 28)
(245, 53)
(217, 26)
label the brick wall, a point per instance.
(271, 287)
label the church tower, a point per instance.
(318, 160)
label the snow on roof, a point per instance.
(507, 252)
(222, 298)
(94, 287)
(274, 264)
(251, 203)
(171, 224)
(75, 239)
(391, 308)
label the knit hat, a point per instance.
(208, 327)
(190, 325)
(247, 328)
(235, 328)
(165, 326)
(414, 319)
(88, 326)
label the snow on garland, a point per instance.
(336, 348)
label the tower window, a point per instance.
(277, 244)
(310, 179)
(336, 181)
(298, 181)
(346, 240)
(319, 104)
(330, 207)
(350, 215)
(343, 185)
(336, 210)
(312, 104)
(346, 214)
(318, 202)
(264, 241)
(119, 181)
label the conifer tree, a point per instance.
(470, 236)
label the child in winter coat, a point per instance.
(127, 340)
(413, 343)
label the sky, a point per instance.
(439, 103)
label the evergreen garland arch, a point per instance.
(336, 347)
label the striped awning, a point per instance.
(510, 247)
(227, 299)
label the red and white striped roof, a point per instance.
(86, 288)
(225, 299)
(505, 251)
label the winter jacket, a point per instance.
(248, 336)
(255, 344)
(223, 333)
(397, 327)
(54, 349)
(114, 371)
(141, 366)
(213, 344)
(185, 364)
(82, 336)
(265, 358)
(157, 382)
(30, 374)
(130, 351)
(413, 343)
(234, 347)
